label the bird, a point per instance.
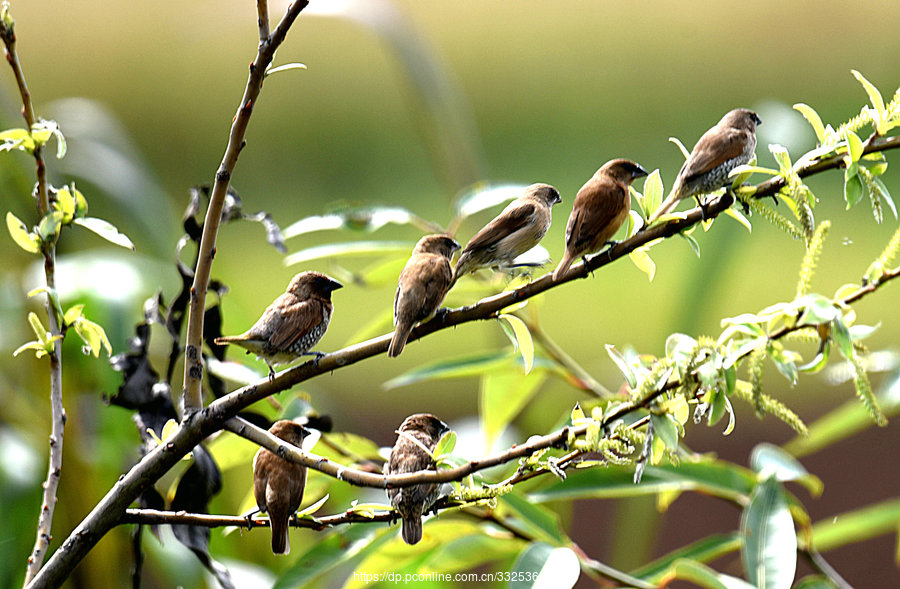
(729, 144)
(278, 484)
(292, 324)
(517, 229)
(600, 208)
(408, 456)
(422, 286)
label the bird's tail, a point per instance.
(281, 543)
(412, 529)
(398, 341)
(563, 267)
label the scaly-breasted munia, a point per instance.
(278, 484)
(729, 144)
(292, 324)
(517, 229)
(422, 286)
(600, 208)
(407, 456)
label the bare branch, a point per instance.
(193, 362)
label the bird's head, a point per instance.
(544, 193)
(308, 284)
(741, 118)
(443, 245)
(289, 431)
(624, 171)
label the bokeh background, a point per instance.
(408, 103)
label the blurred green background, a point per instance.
(407, 104)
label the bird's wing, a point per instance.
(716, 147)
(595, 213)
(297, 319)
(506, 223)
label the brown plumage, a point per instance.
(278, 484)
(600, 208)
(292, 324)
(422, 286)
(407, 456)
(729, 144)
(517, 229)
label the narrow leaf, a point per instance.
(814, 120)
(523, 337)
(622, 364)
(284, 68)
(642, 260)
(105, 230)
(770, 543)
(874, 95)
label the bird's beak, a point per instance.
(455, 246)
(333, 285)
(639, 172)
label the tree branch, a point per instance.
(57, 412)
(200, 422)
(193, 360)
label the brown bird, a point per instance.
(407, 456)
(600, 208)
(517, 229)
(278, 484)
(422, 286)
(292, 324)
(729, 144)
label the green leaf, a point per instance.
(340, 547)
(666, 429)
(653, 192)
(535, 520)
(703, 550)
(39, 350)
(29, 242)
(622, 364)
(523, 338)
(49, 226)
(716, 478)
(814, 120)
(471, 365)
(555, 568)
(854, 146)
(504, 393)
(41, 132)
(740, 218)
(105, 230)
(641, 258)
(857, 526)
(770, 460)
(853, 186)
(841, 336)
(283, 68)
(782, 157)
(874, 95)
(703, 576)
(692, 241)
(352, 248)
(769, 553)
(93, 335)
(66, 203)
(81, 205)
(17, 139)
(484, 196)
(445, 445)
(684, 150)
(720, 406)
(73, 313)
(39, 330)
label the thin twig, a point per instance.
(57, 412)
(193, 361)
(818, 561)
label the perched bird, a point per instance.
(517, 229)
(407, 456)
(292, 324)
(423, 283)
(729, 144)
(278, 484)
(600, 208)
